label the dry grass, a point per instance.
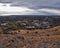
(45, 38)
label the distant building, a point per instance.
(42, 25)
(3, 24)
(29, 27)
(45, 25)
(37, 25)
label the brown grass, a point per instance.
(38, 38)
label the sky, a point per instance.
(29, 7)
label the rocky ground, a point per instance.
(37, 38)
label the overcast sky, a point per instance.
(35, 4)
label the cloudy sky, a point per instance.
(29, 7)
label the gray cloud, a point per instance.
(35, 4)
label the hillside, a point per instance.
(37, 38)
